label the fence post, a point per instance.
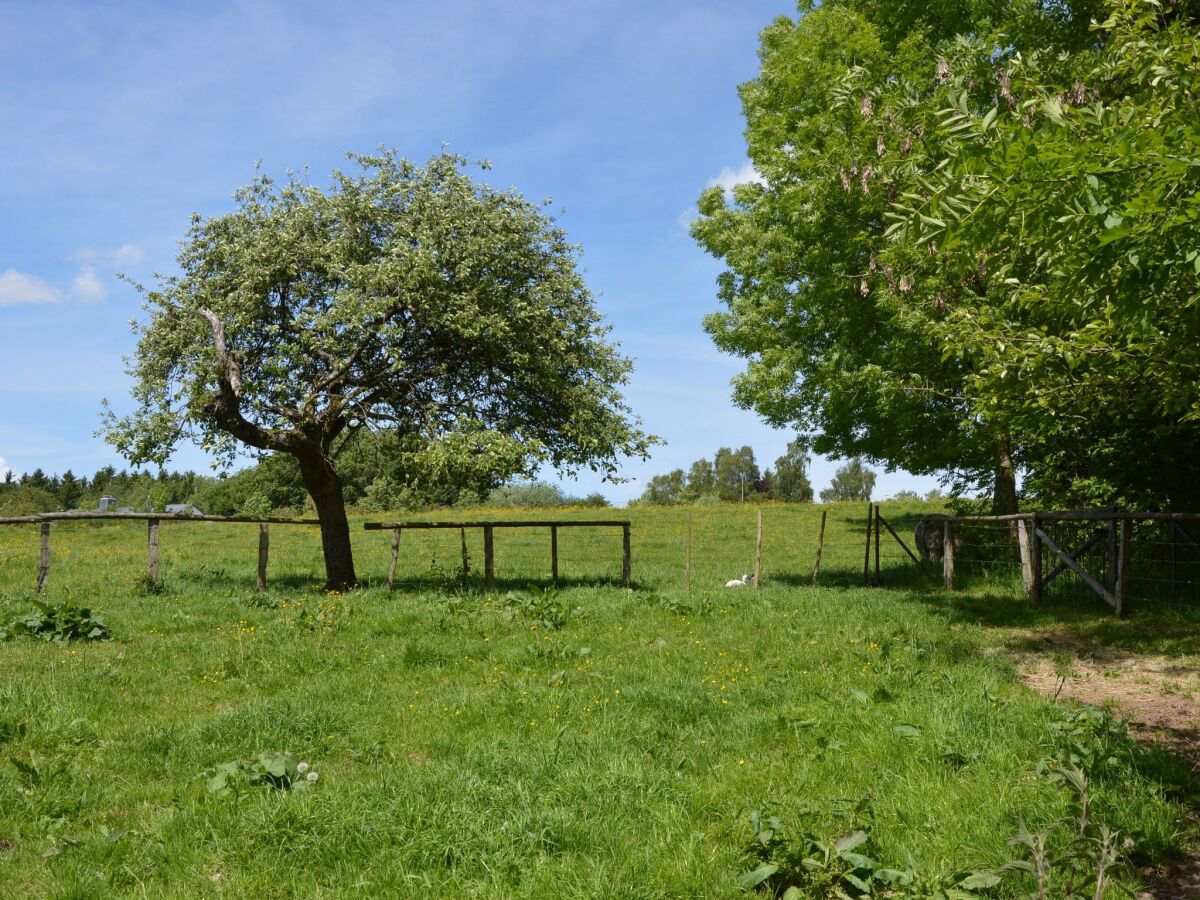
(489, 557)
(1114, 550)
(462, 539)
(626, 562)
(948, 554)
(867, 556)
(554, 553)
(264, 544)
(395, 557)
(1035, 553)
(878, 528)
(820, 547)
(1026, 559)
(152, 570)
(1124, 559)
(43, 571)
(758, 553)
(687, 564)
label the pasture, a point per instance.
(584, 741)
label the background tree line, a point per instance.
(733, 476)
(376, 480)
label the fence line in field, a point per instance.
(1118, 556)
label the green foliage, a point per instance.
(542, 606)
(275, 771)
(1051, 226)
(23, 500)
(853, 481)
(969, 255)
(531, 495)
(1074, 857)
(800, 866)
(57, 622)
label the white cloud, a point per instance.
(87, 287)
(730, 178)
(17, 287)
(4, 469)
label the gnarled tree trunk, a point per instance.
(325, 487)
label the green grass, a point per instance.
(591, 742)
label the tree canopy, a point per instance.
(925, 273)
(402, 297)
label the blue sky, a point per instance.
(123, 118)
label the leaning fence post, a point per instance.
(395, 557)
(758, 553)
(820, 547)
(867, 556)
(1123, 564)
(152, 540)
(264, 544)
(948, 554)
(1035, 553)
(489, 557)
(626, 562)
(43, 571)
(1026, 559)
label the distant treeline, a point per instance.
(273, 485)
(733, 476)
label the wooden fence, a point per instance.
(153, 523)
(489, 551)
(1102, 558)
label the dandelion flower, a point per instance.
(302, 768)
(311, 777)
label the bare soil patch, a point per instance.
(1158, 695)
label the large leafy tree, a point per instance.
(850, 364)
(404, 297)
(1072, 191)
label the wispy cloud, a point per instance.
(128, 254)
(4, 468)
(87, 287)
(18, 287)
(731, 178)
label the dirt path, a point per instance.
(1158, 695)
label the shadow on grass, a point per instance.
(431, 584)
(1071, 619)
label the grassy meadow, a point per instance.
(589, 741)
